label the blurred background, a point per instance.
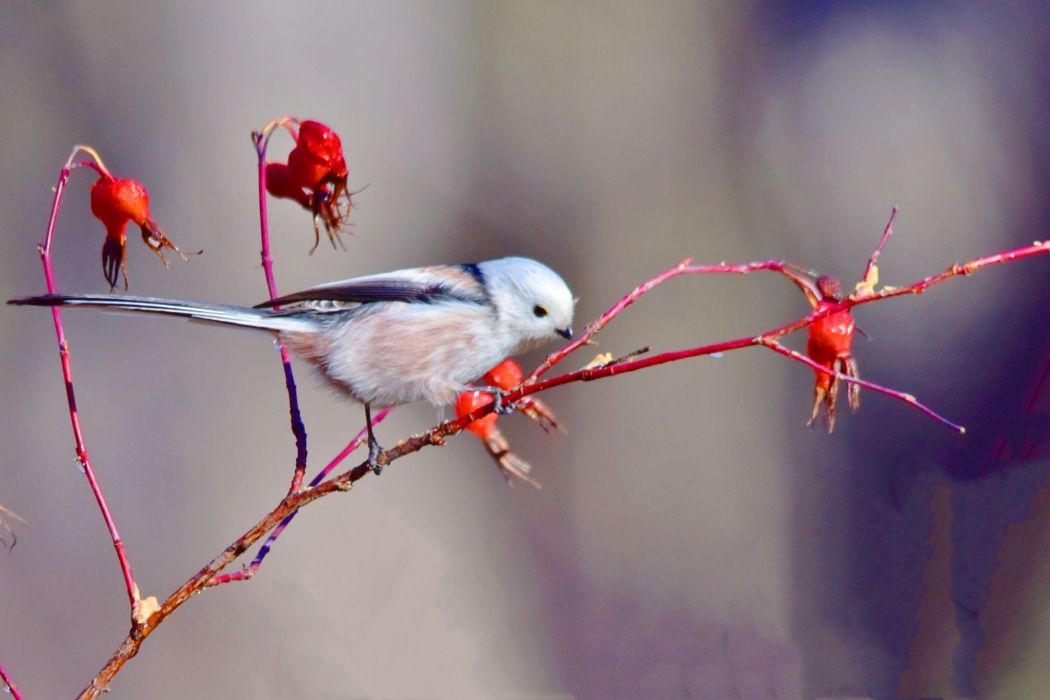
(692, 537)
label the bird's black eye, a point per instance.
(539, 311)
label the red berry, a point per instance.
(315, 176)
(115, 203)
(470, 401)
(280, 183)
(506, 375)
(829, 345)
(317, 156)
(831, 337)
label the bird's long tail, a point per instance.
(262, 319)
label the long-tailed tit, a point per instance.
(394, 338)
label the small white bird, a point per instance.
(416, 334)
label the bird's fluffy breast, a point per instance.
(393, 353)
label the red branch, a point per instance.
(67, 372)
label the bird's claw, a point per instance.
(374, 448)
(499, 396)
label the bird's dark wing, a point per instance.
(422, 285)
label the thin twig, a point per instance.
(871, 269)
(9, 684)
(685, 267)
(592, 328)
(899, 395)
(955, 270)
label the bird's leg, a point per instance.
(374, 448)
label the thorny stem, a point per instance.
(67, 373)
(10, 684)
(436, 435)
(262, 141)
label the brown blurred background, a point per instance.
(693, 538)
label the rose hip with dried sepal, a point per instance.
(470, 401)
(510, 465)
(315, 176)
(830, 345)
(115, 203)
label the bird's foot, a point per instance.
(499, 397)
(374, 448)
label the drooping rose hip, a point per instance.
(470, 401)
(510, 465)
(115, 203)
(506, 376)
(315, 176)
(830, 345)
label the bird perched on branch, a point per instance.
(416, 334)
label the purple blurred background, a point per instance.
(693, 538)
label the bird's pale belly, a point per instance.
(367, 359)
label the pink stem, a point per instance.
(956, 270)
(683, 268)
(878, 388)
(67, 375)
(593, 327)
(262, 140)
(9, 683)
(249, 571)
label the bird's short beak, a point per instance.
(565, 332)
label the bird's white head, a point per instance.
(532, 301)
